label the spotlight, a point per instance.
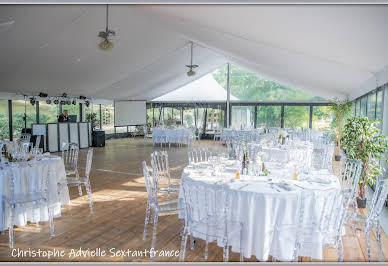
(43, 95)
(62, 102)
(32, 101)
(87, 103)
(68, 102)
(56, 101)
(74, 102)
(82, 97)
(48, 101)
(64, 95)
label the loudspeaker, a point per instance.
(98, 139)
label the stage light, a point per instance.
(74, 102)
(48, 101)
(56, 101)
(87, 103)
(43, 95)
(32, 101)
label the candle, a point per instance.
(238, 175)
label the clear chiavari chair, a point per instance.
(25, 137)
(36, 197)
(154, 204)
(197, 155)
(207, 216)
(37, 141)
(217, 134)
(365, 223)
(70, 153)
(350, 172)
(84, 180)
(327, 160)
(145, 132)
(160, 167)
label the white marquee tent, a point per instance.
(324, 50)
(203, 89)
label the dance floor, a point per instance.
(117, 224)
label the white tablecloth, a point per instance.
(166, 135)
(259, 207)
(25, 177)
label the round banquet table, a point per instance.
(259, 205)
(171, 135)
(26, 175)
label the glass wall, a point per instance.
(245, 85)
(171, 116)
(268, 116)
(89, 111)
(188, 118)
(379, 104)
(371, 106)
(322, 118)
(357, 106)
(18, 116)
(243, 116)
(122, 129)
(296, 116)
(4, 120)
(107, 113)
(48, 113)
(363, 106)
(72, 109)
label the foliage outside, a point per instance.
(362, 140)
(341, 111)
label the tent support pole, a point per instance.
(228, 97)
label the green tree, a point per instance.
(249, 86)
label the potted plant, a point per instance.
(92, 118)
(341, 110)
(362, 140)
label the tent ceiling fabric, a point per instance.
(325, 50)
(203, 89)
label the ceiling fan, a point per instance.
(106, 44)
(191, 72)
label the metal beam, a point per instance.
(282, 117)
(228, 97)
(10, 120)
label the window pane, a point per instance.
(71, 109)
(321, 118)
(171, 116)
(245, 85)
(372, 106)
(18, 115)
(243, 116)
(215, 118)
(93, 108)
(48, 113)
(188, 118)
(123, 129)
(358, 107)
(363, 106)
(4, 120)
(268, 116)
(296, 116)
(379, 104)
(107, 112)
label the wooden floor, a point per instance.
(120, 199)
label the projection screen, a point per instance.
(130, 113)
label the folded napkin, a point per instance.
(283, 186)
(318, 179)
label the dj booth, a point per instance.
(54, 134)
